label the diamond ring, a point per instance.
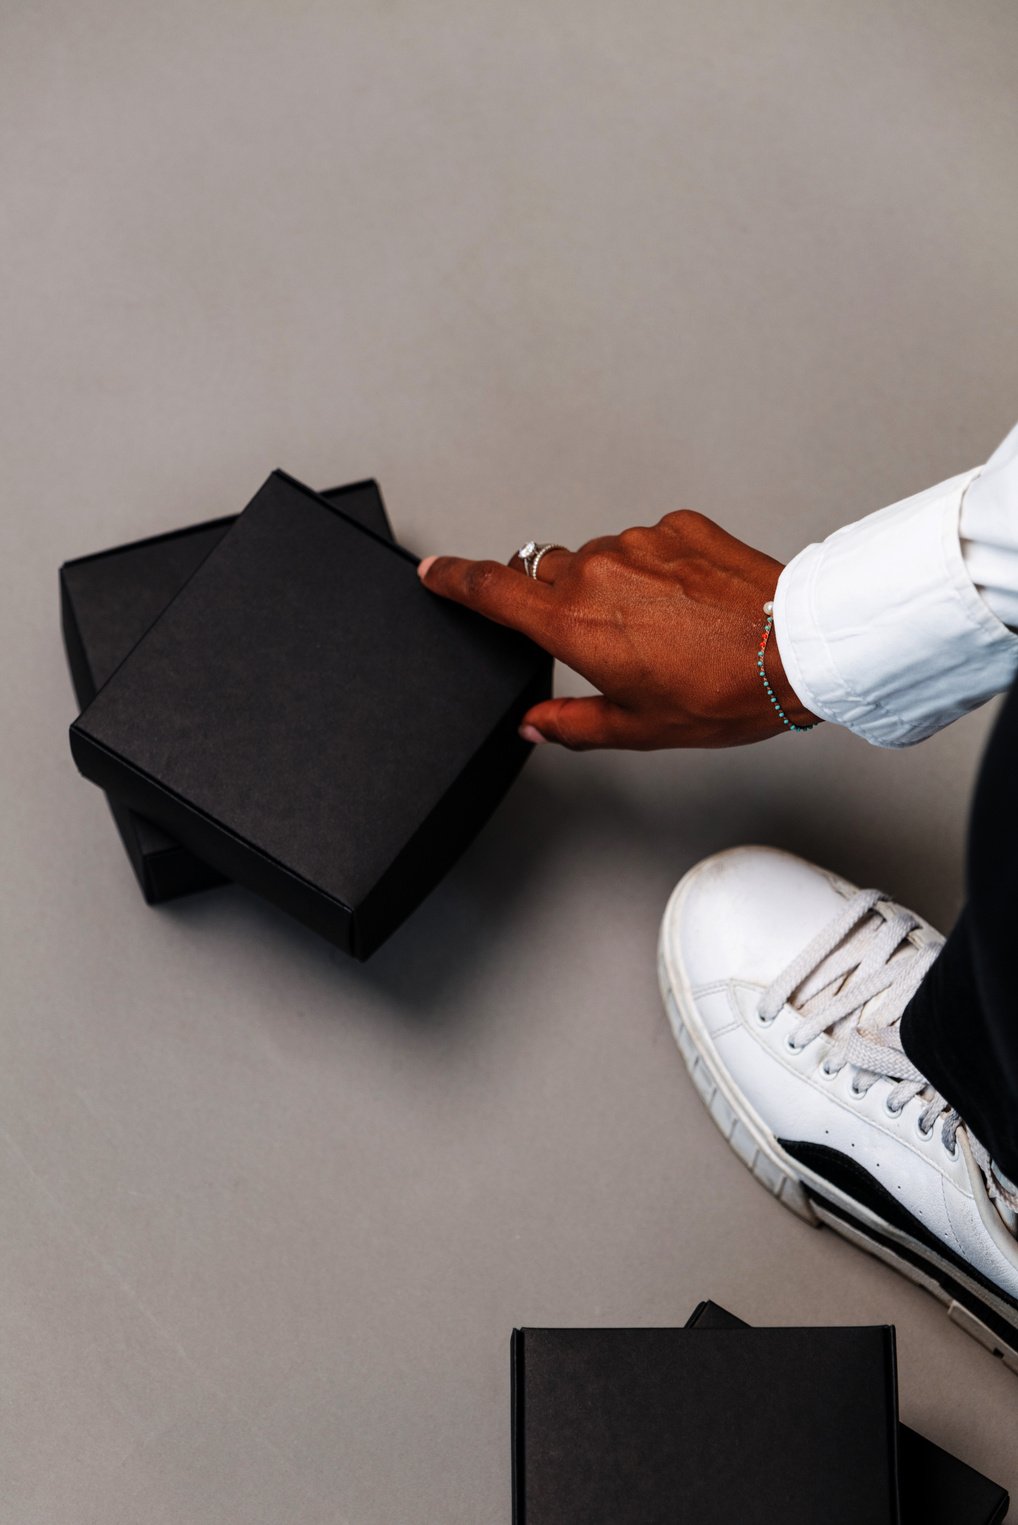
(531, 553)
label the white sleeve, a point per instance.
(894, 626)
(989, 531)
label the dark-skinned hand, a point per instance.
(665, 622)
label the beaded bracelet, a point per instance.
(768, 609)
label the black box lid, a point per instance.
(713, 1427)
(107, 602)
(308, 719)
(934, 1487)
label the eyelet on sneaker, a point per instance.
(855, 1092)
(792, 1046)
(764, 1021)
(892, 1111)
(827, 1073)
(924, 1133)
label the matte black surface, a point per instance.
(934, 1487)
(308, 719)
(722, 1426)
(107, 602)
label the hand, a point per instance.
(666, 622)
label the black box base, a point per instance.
(934, 1487)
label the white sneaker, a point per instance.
(784, 985)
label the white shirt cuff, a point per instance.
(881, 629)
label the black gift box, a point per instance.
(934, 1487)
(309, 720)
(107, 602)
(705, 1426)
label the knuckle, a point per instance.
(569, 731)
(478, 578)
(687, 522)
(598, 563)
(638, 538)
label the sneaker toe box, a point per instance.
(744, 914)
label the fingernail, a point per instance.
(532, 734)
(424, 567)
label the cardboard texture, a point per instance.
(309, 720)
(107, 602)
(712, 1426)
(934, 1487)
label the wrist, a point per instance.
(776, 681)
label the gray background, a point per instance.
(268, 1217)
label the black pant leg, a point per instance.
(961, 1027)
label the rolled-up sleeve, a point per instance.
(882, 627)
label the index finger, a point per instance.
(494, 590)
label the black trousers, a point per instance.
(961, 1026)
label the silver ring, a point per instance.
(531, 553)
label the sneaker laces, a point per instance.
(862, 955)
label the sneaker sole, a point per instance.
(810, 1196)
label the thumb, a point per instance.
(581, 724)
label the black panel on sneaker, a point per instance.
(856, 1182)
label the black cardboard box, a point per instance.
(107, 602)
(934, 1487)
(310, 721)
(704, 1427)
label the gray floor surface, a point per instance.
(268, 1217)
